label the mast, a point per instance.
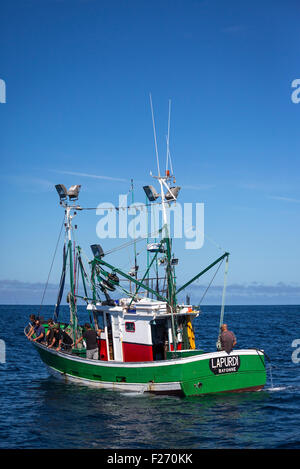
(67, 201)
(166, 198)
(61, 284)
(72, 300)
(169, 269)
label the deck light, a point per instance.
(62, 191)
(172, 193)
(155, 247)
(73, 192)
(151, 193)
(97, 250)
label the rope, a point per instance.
(218, 344)
(211, 282)
(123, 207)
(46, 285)
(224, 292)
(136, 240)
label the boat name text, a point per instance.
(220, 365)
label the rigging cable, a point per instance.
(154, 132)
(213, 277)
(46, 285)
(129, 243)
(218, 344)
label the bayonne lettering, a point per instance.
(227, 364)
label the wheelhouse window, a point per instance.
(100, 319)
(129, 327)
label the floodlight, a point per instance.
(172, 193)
(97, 250)
(73, 192)
(155, 247)
(62, 191)
(151, 193)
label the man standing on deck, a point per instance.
(90, 337)
(227, 338)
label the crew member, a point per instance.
(227, 338)
(90, 337)
(39, 331)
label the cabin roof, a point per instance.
(142, 307)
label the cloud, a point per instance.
(15, 292)
(93, 176)
(237, 28)
(201, 187)
(284, 199)
(18, 293)
(253, 293)
(264, 186)
(29, 183)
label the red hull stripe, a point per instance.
(179, 346)
(137, 352)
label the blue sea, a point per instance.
(38, 411)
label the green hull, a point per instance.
(201, 373)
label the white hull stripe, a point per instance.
(172, 362)
(140, 387)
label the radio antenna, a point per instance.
(154, 132)
(168, 138)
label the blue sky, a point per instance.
(78, 75)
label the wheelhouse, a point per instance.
(142, 331)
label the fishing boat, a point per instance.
(146, 338)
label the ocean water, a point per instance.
(38, 411)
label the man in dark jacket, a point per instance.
(60, 339)
(90, 337)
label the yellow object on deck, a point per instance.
(191, 335)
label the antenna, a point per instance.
(154, 131)
(135, 260)
(168, 137)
